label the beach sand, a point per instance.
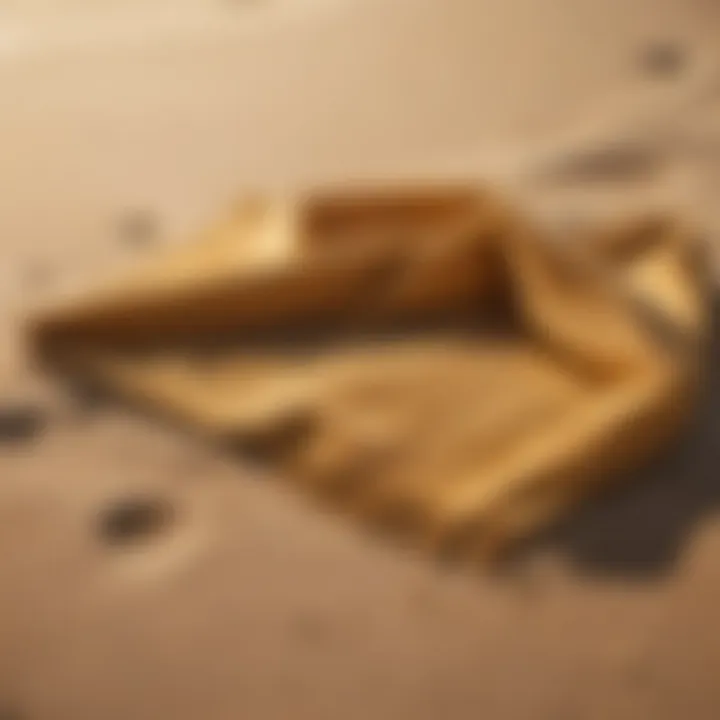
(142, 575)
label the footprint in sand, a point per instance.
(608, 163)
(148, 535)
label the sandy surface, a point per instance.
(124, 127)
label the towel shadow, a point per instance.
(641, 530)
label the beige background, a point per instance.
(251, 604)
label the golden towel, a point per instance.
(423, 358)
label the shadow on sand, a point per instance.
(641, 529)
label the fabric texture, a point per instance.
(424, 358)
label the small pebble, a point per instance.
(21, 423)
(134, 519)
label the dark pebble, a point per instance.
(21, 423)
(134, 520)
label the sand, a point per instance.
(124, 127)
